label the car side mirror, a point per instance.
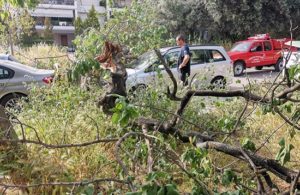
(253, 49)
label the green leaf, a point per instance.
(115, 118)
(282, 142)
(162, 191)
(150, 189)
(134, 193)
(284, 154)
(228, 177)
(156, 175)
(171, 189)
(248, 144)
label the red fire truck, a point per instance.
(257, 51)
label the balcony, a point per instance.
(120, 3)
(58, 2)
(56, 29)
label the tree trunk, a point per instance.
(118, 88)
(112, 59)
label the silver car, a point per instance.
(210, 65)
(16, 78)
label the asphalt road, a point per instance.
(266, 75)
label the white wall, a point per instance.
(88, 2)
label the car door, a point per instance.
(158, 72)
(147, 77)
(5, 75)
(256, 55)
(217, 64)
(269, 53)
(144, 68)
(199, 60)
(171, 59)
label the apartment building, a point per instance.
(62, 14)
(116, 5)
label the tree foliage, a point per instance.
(91, 21)
(20, 3)
(187, 17)
(154, 144)
(79, 26)
(15, 27)
(230, 19)
(136, 27)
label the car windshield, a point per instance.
(144, 60)
(241, 46)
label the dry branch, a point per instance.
(78, 183)
(268, 164)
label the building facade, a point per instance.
(116, 5)
(62, 14)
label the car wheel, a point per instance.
(279, 65)
(238, 68)
(218, 83)
(11, 101)
(138, 88)
(259, 67)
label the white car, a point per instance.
(15, 79)
(210, 65)
(295, 55)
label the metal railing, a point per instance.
(56, 23)
(58, 2)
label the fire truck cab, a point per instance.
(257, 51)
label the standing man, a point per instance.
(184, 60)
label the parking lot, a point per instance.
(266, 75)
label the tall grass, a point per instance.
(44, 56)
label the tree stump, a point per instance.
(112, 59)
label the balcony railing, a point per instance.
(120, 3)
(58, 2)
(56, 23)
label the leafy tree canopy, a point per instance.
(136, 27)
(230, 19)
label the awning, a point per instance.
(60, 13)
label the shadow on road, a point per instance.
(259, 74)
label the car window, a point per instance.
(5, 73)
(256, 47)
(198, 57)
(172, 58)
(241, 46)
(215, 56)
(144, 60)
(268, 46)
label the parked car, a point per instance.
(15, 79)
(294, 59)
(207, 61)
(257, 51)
